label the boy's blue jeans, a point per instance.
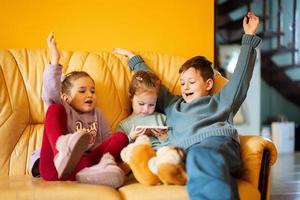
(211, 165)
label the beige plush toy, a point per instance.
(169, 165)
(152, 168)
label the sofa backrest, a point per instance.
(22, 109)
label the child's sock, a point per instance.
(106, 172)
(70, 149)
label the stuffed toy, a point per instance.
(152, 168)
(169, 165)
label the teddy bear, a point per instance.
(166, 166)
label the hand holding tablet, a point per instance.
(161, 132)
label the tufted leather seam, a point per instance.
(17, 142)
(31, 128)
(119, 60)
(8, 158)
(18, 64)
(119, 114)
(1, 67)
(128, 79)
(27, 60)
(67, 67)
(173, 88)
(177, 80)
(29, 112)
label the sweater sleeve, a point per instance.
(52, 85)
(137, 63)
(165, 97)
(125, 126)
(121, 127)
(234, 93)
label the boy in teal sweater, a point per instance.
(203, 124)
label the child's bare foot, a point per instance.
(52, 46)
(124, 52)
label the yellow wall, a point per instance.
(179, 27)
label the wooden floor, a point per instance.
(285, 178)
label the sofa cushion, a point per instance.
(26, 187)
(134, 191)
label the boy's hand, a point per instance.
(124, 52)
(160, 134)
(250, 23)
(54, 54)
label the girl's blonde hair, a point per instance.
(143, 81)
(67, 82)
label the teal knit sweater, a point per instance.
(155, 119)
(209, 115)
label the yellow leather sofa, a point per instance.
(22, 117)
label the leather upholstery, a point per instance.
(22, 116)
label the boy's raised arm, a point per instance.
(135, 61)
(234, 93)
(250, 23)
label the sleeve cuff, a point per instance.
(132, 62)
(252, 40)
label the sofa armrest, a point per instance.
(258, 155)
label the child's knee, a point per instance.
(201, 153)
(122, 137)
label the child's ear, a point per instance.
(66, 98)
(209, 84)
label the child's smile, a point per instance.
(192, 85)
(89, 101)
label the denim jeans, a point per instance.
(211, 165)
